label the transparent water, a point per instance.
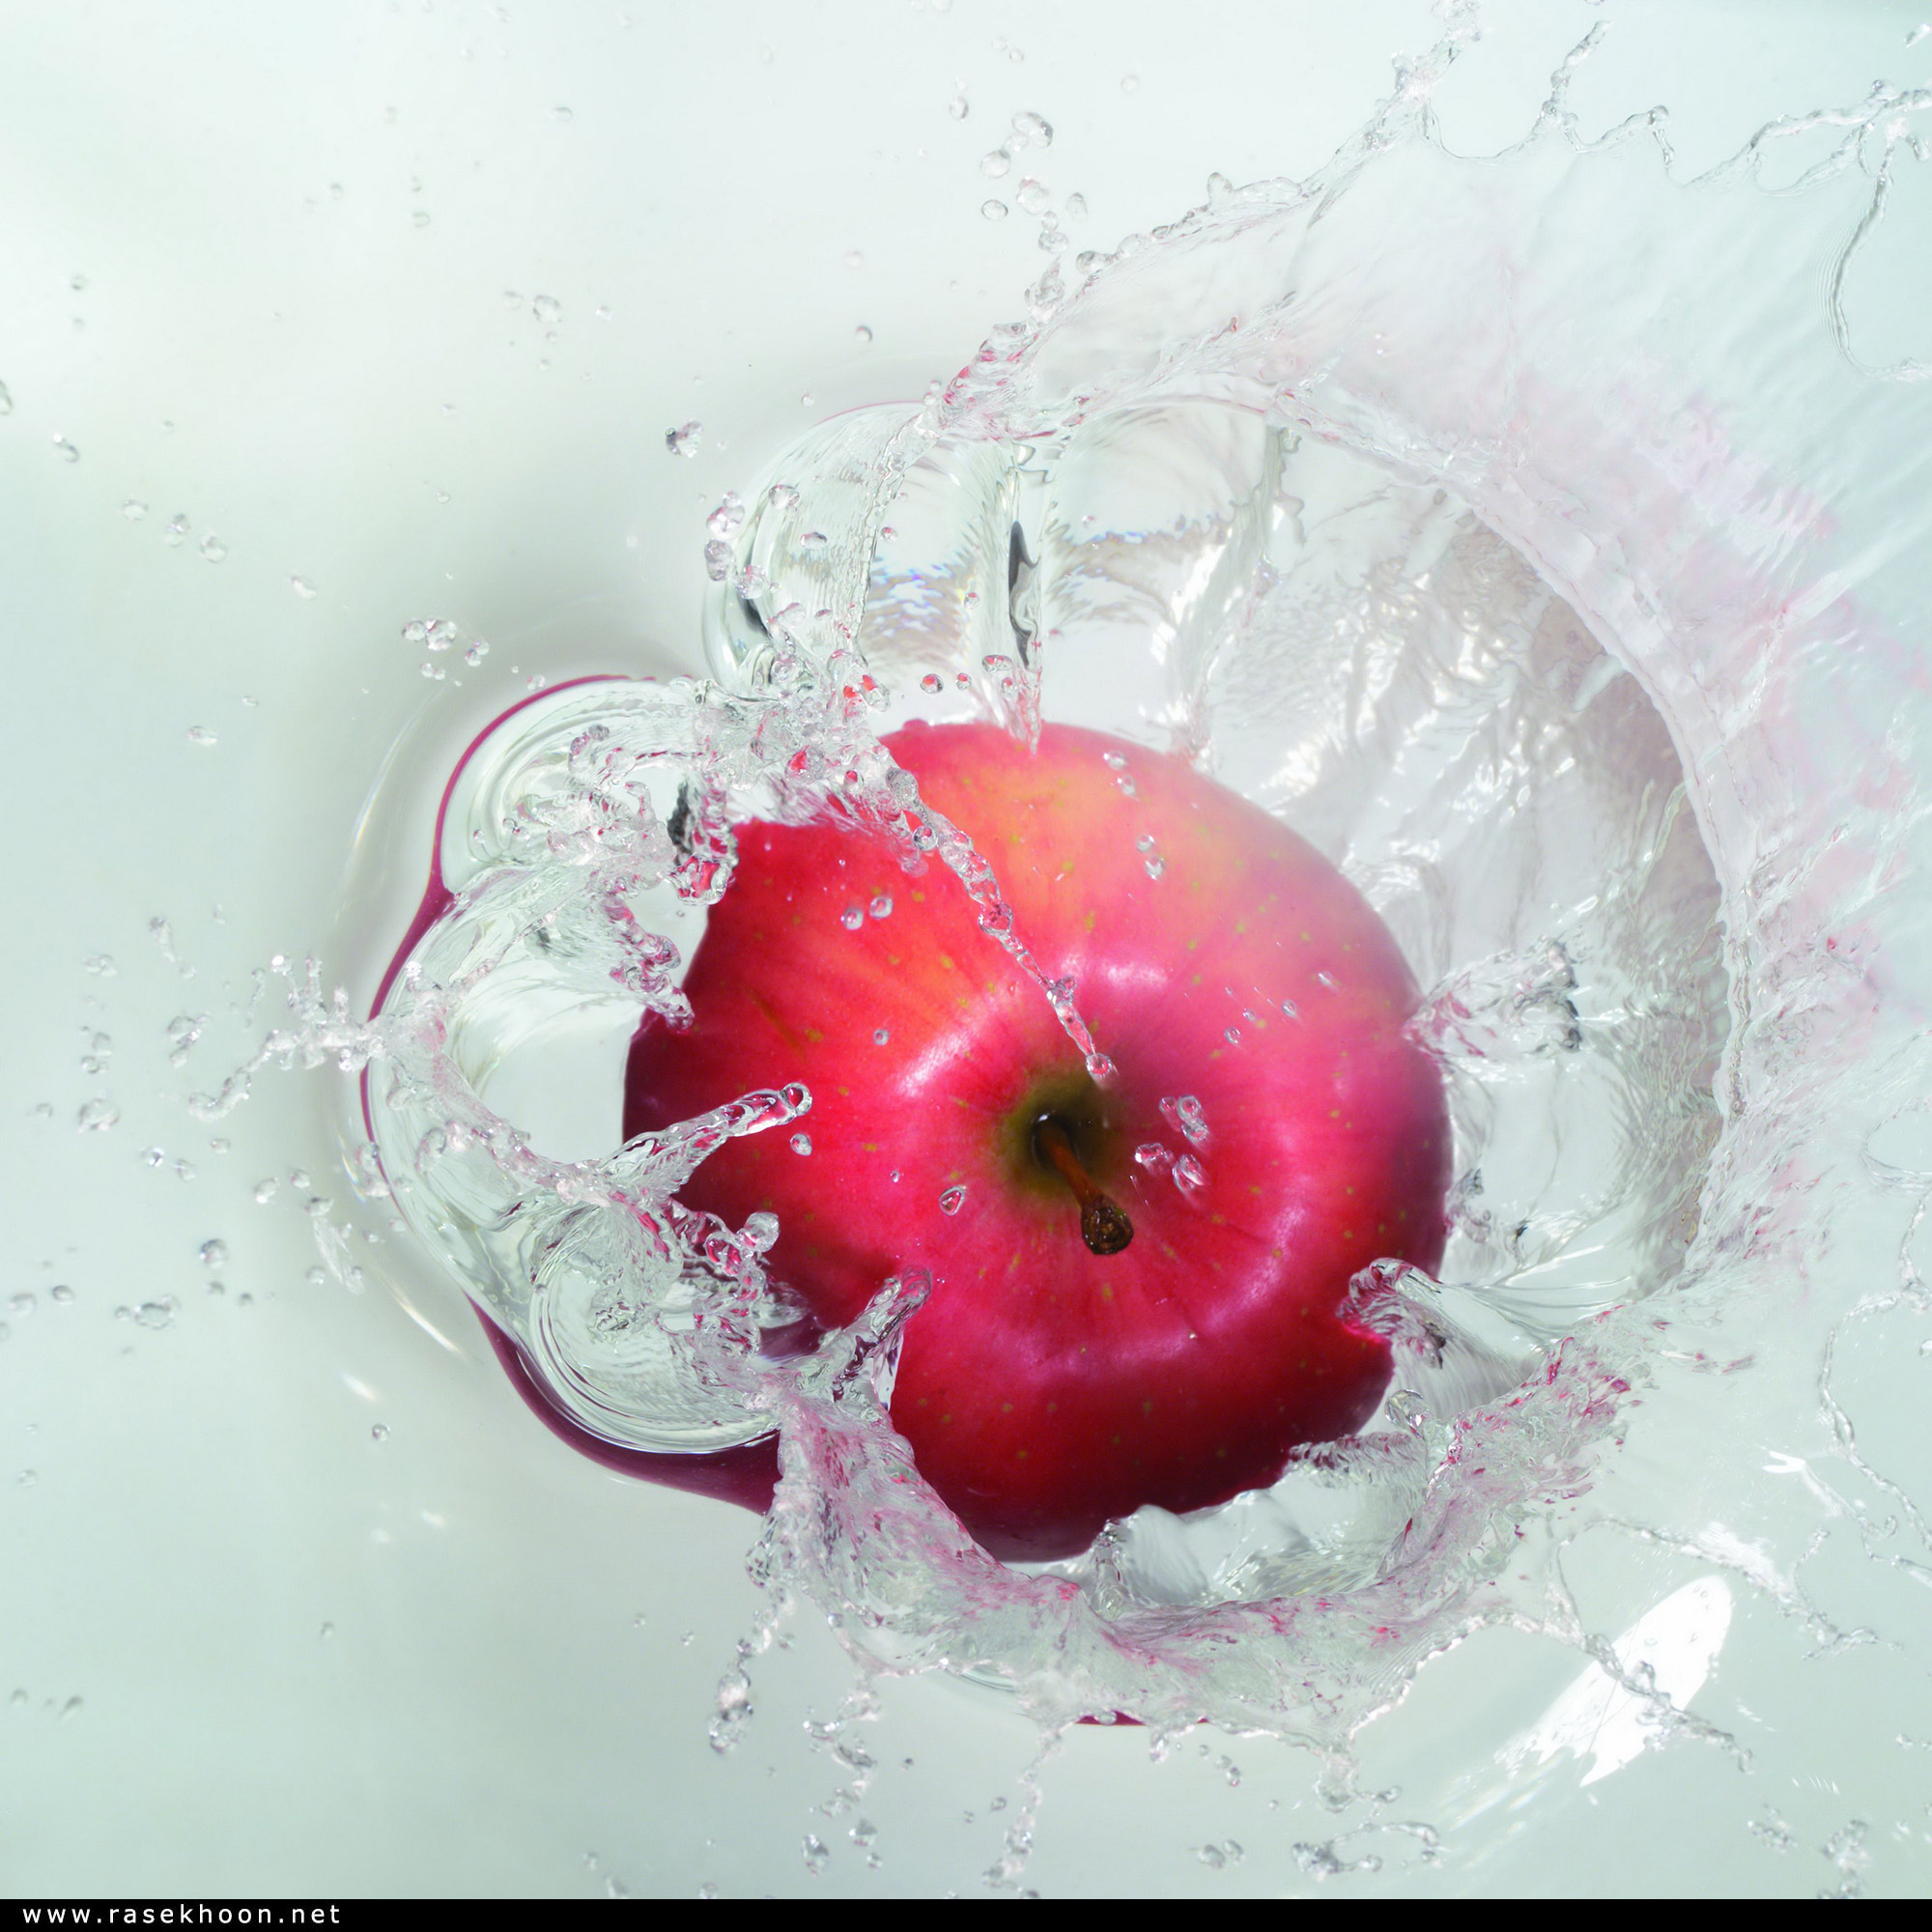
(1629, 395)
(1426, 502)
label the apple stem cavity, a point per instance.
(1105, 1228)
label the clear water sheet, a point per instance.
(1549, 486)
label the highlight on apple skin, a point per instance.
(1138, 1287)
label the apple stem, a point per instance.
(1105, 1228)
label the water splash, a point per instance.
(1410, 506)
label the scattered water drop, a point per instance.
(200, 734)
(212, 548)
(994, 211)
(683, 441)
(853, 917)
(66, 451)
(133, 509)
(1185, 1115)
(174, 529)
(817, 1853)
(213, 1253)
(782, 496)
(1075, 206)
(1189, 1175)
(1030, 127)
(302, 588)
(22, 1304)
(1233, 1035)
(959, 107)
(316, 1277)
(1217, 1858)
(378, 1432)
(1031, 196)
(265, 1192)
(1155, 1156)
(999, 162)
(97, 1116)
(153, 1313)
(477, 652)
(931, 684)
(952, 1200)
(800, 1144)
(880, 1036)
(101, 965)
(881, 906)
(862, 335)
(1131, 83)
(61, 1292)
(1154, 864)
(548, 310)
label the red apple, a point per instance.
(1100, 1334)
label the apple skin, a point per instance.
(1045, 1389)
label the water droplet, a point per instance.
(1030, 127)
(880, 1036)
(1131, 83)
(931, 684)
(548, 310)
(1233, 1035)
(1326, 980)
(101, 965)
(156, 1314)
(1155, 1156)
(1185, 1115)
(97, 1116)
(800, 1144)
(477, 652)
(816, 1854)
(316, 1277)
(1031, 196)
(999, 162)
(133, 509)
(1114, 761)
(212, 548)
(212, 1253)
(881, 906)
(862, 335)
(22, 1304)
(1189, 1175)
(60, 1292)
(327, 1632)
(782, 496)
(853, 917)
(6, 401)
(994, 211)
(174, 529)
(1100, 1068)
(200, 734)
(952, 1200)
(1076, 207)
(68, 1708)
(683, 441)
(1155, 866)
(302, 588)
(66, 451)
(378, 1432)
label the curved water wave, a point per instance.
(1522, 532)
